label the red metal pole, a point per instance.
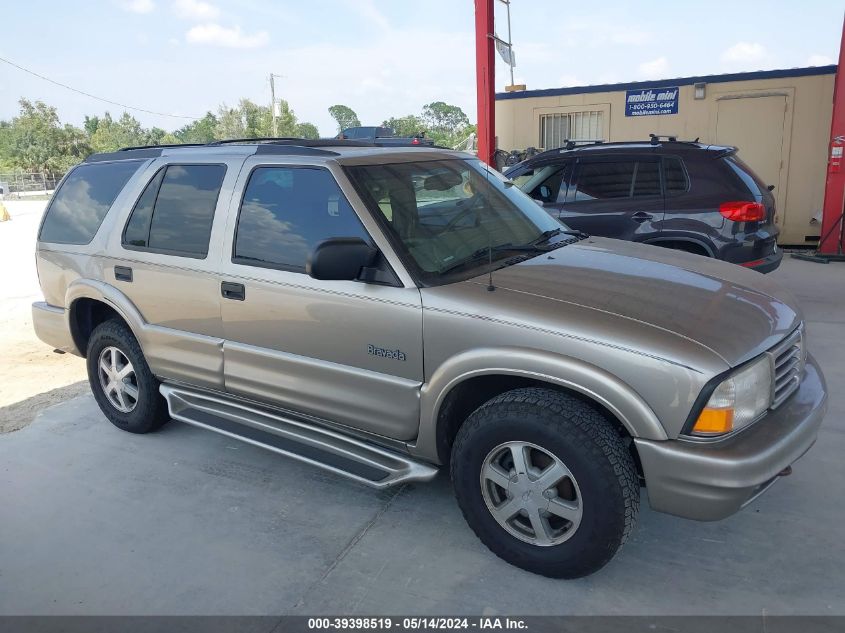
(834, 190)
(485, 77)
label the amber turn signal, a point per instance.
(714, 421)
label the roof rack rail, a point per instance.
(160, 146)
(575, 142)
(289, 140)
(655, 138)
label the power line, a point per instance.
(88, 94)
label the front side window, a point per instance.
(603, 181)
(286, 212)
(622, 179)
(450, 218)
(175, 212)
(82, 202)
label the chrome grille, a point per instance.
(788, 359)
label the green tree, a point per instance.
(250, 120)
(35, 140)
(344, 116)
(447, 124)
(409, 125)
(199, 131)
(90, 125)
(111, 135)
(307, 130)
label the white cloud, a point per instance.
(195, 10)
(744, 53)
(217, 35)
(819, 60)
(654, 69)
(139, 6)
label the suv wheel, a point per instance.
(122, 383)
(545, 482)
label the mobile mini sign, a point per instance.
(651, 101)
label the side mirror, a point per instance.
(340, 258)
(545, 193)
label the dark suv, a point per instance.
(684, 195)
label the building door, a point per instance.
(755, 125)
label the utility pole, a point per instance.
(273, 102)
(510, 43)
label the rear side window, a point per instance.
(676, 176)
(83, 200)
(176, 210)
(647, 179)
(286, 212)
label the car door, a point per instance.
(166, 259)
(619, 197)
(546, 182)
(346, 352)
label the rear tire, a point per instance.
(569, 530)
(121, 381)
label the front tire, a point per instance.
(546, 482)
(121, 381)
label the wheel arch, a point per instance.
(92, 302)
(697, 246)
(457, 388)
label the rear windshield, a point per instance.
(83, 199)
(751, 180)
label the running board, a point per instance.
(341, 454)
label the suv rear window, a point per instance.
(176, 210)
(83, 200)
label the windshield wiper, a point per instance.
(486, 252)
(545, 236)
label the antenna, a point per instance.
(490, 286)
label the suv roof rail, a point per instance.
(289, 140)
(575, 142)
(159, 146)
(655, 138)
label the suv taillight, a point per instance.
(743, 211)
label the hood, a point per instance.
(735, 312)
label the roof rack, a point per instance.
(573, 143)
(289, 140)
(655, 138)
(160, 146)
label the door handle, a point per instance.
(641, 216)
(123, 273)
(234, 291)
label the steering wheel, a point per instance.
(461, 215)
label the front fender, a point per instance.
(593, 382)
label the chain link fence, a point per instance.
(21, 184)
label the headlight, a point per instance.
(737, 401)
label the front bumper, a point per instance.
(708, 481)
(51, 326)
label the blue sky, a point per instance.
(382, 58)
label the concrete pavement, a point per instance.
(183, 521)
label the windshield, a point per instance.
(442, 214)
